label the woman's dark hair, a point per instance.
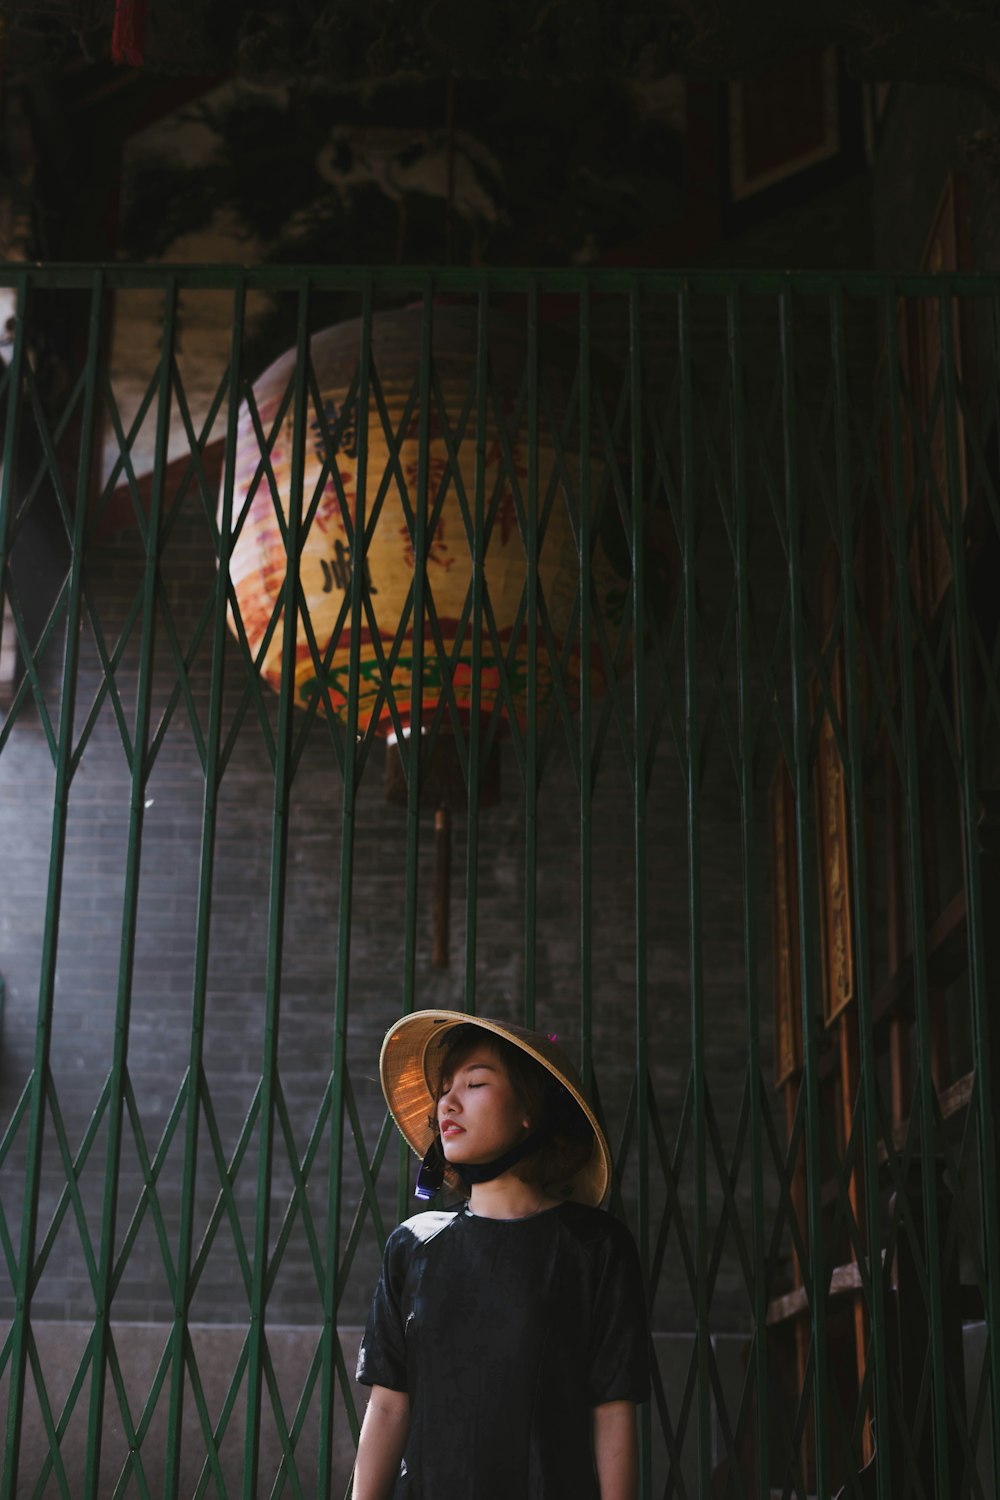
(546, 1103)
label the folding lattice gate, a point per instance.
(703, 568)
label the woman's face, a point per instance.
(479, 1113)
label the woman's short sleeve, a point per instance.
(382, 1357)
(618, 1366)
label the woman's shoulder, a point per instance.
(424, 1227)
(588, 1219)
(595, 1227)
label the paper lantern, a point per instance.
(257, 563)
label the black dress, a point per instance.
(505, 1333)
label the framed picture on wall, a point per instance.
(795, 128)
(783, 121)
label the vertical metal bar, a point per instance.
(133, 859)
(759, 1290)
(859, 887)
(910, 776)
(414, 758)
(39, 1077)
(806, 880)
(531, 729)
(475, 697)
(640, 810)
(586, 750)
(692, 750)
(209, 821)
(979, 993)
(359, 574)
(276, 902)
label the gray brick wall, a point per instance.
(159, 1033)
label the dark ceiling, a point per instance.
(550, 111)
(944, 41)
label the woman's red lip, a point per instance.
(450, 1128)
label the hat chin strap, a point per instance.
(471, 1173)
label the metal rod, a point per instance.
(817, 1275)
(912, 804)
(257, 1349)
(637, 549)
(859, 861)
(120, 275)
(348, 839)
(414, 749)
(741, 512)
(692, 761)
(206, 874)
(476, 626)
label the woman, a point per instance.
(507, 1342)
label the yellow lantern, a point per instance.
(257, 563)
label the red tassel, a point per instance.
(128, 36)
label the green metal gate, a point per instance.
(745, 858)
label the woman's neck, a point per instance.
(507, 1197)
